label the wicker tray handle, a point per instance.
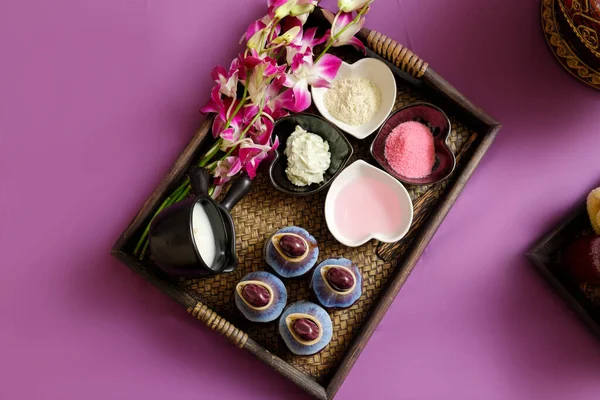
(394, 52)
(217, 323)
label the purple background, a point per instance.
(97, 97)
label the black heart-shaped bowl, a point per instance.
(339, 147)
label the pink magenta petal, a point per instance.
(351, 31)
(340, 23)
(254, 27)
(290, 80)
(235, 165)
(252, 165)
(319, 82)
(276, 3)
(250, 112)
(246, 153)
(270, 70)
(217, 126)
(284, 100)
(229, 134)
(302, 97)
(210, 107)
(215, 104)
(263, 134)
(275, 145)
(215, 95)
(309, 38)
(325, 70)
(357, 43)
(217, 73)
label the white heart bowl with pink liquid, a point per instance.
(365, 203)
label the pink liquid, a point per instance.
(367, 205)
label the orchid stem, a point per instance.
(211, 153)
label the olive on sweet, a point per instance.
(305, 328)
(256, 295)
(291, 252)
(337, 283)
(339, 278)
(260, 296)
(292, 246)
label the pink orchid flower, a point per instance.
(352, 5)
(303, 43)
(276, 100)
(262, 130)
(226, 169)
(227, 81)
(304, 73)
(226, 84)
(232, 134)
(264, 70)
(347, 37)
(251, 155)
(215, 104)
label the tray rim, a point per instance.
(537, 256)
(413, 70)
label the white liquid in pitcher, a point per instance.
(203, 235)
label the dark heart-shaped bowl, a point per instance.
(439, 124)
(339, 147)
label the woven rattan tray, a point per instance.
(385, 268)
(583, 298)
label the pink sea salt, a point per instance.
(409, 150)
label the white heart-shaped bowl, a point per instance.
(398, 225)
(381, 75)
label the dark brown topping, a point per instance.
(305, 329)
(339, 278)
(292, 246)
(256, 295)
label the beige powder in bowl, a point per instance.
(353, 101)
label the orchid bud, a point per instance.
(287, 37)
(302, 9)
(352, 5)
(256, 40)
(283, 10)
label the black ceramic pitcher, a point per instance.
(171, 236)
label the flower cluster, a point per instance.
(271, 79)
